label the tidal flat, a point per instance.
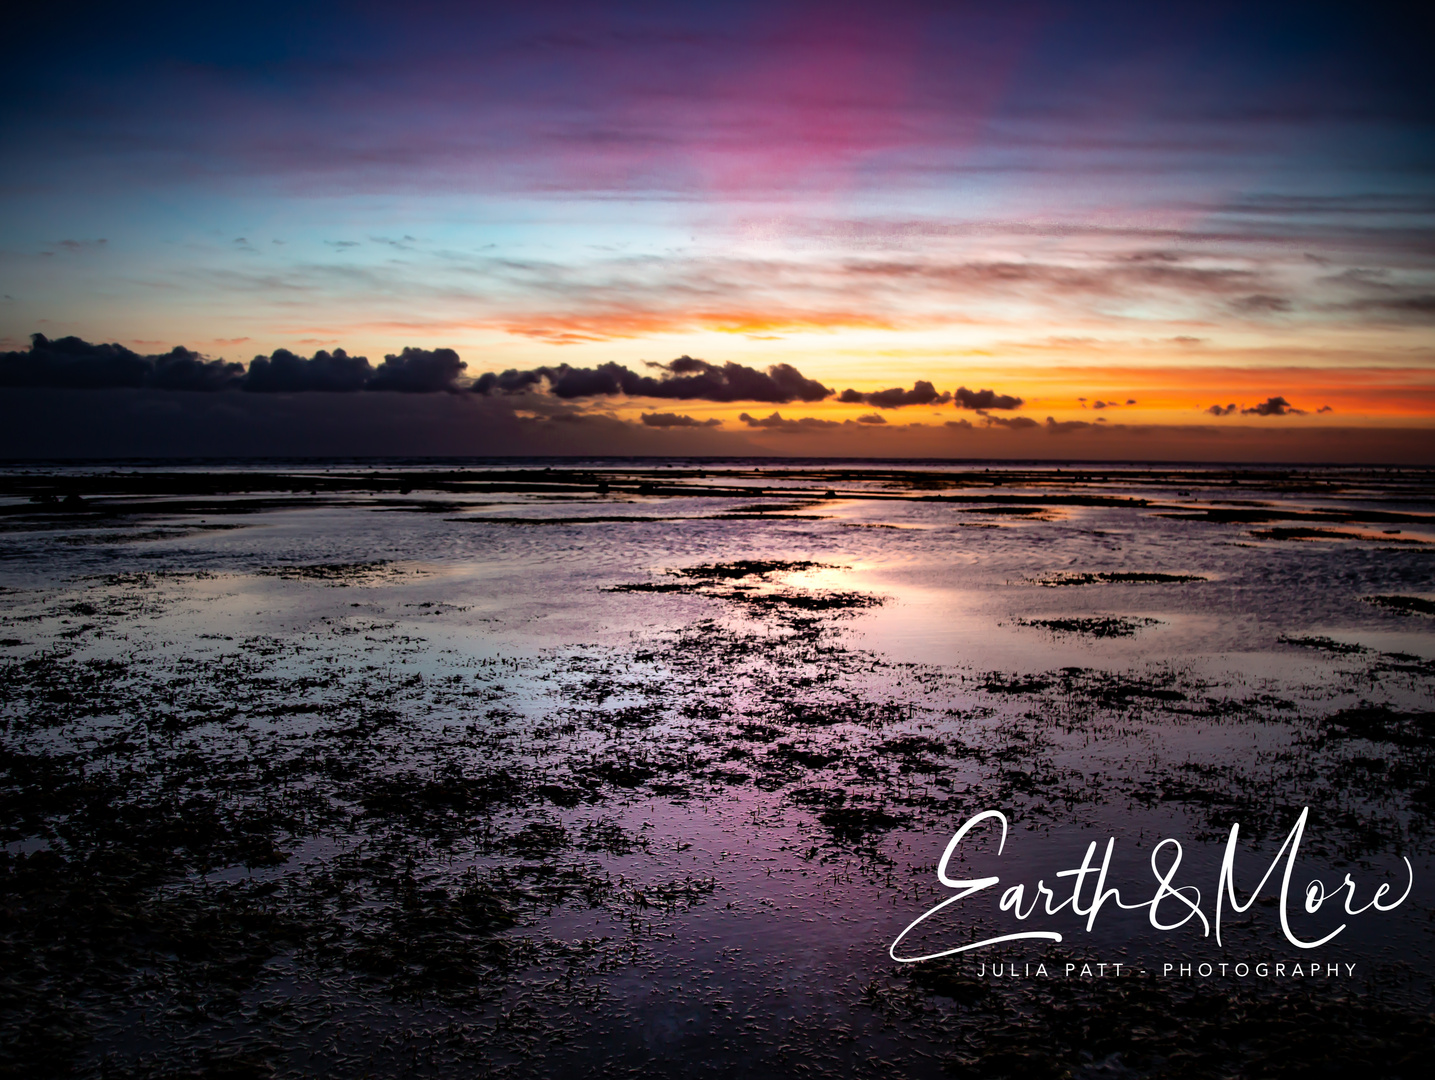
(619, 768)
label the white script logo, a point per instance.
(1170, 908)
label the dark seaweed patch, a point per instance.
(421, 799)
(651, 587)
(1382, 724)
(559, 795)
(914, 747)
(1325, 644)
(1041, 512)
(857, 822)
(742, 516)
(358, 573)
(807, 757)
(622, 773)
(996, 683)
(716, 581)
(1406, 605)
(1302, 532)
(743, 568)
(1094, 626)
(826, 601)
(1115, 578)
(592, 519)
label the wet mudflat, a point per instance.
(332, 770)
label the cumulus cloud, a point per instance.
(683, 379)
(986, 399)
(922, 393)
(1099, 404)
(418, 371)
(872, 418)
(72, 363)
(414, 371)
(1062, 427)
(677, 420)
(1221, 410)
(184, 369)
(1016, 423)
(1325, 408)
(777, 422)
(1276, 406)
(284, 372)
(514, 381)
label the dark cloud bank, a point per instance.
(986, 399)
(685, 379)
(72, 399)
(71, 363)
(922, 393)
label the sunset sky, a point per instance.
(1199, 230)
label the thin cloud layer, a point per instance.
(777, 422)
(677, 420)
(1015, 423)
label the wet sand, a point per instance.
(615, 770)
